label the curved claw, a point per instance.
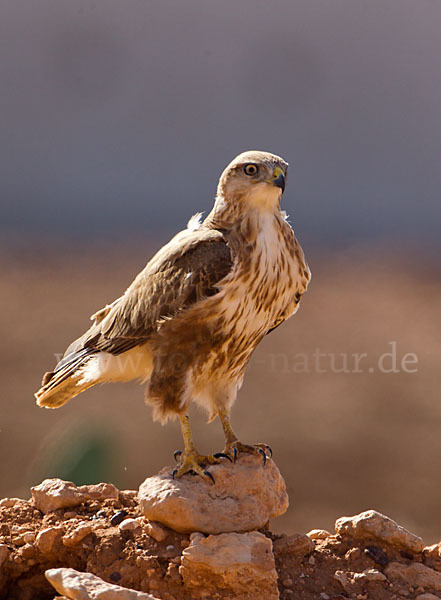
(222, 455)
(208, 474)
(234, 455)
(177, 454)
(262, 452)
(270, 450)
(174, 473)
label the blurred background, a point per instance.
(117, 119)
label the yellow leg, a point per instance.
(230, 436)
(186, 434)
(190, 461)
(232, 444)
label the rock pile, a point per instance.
(381, 560)
(234, 560)
(96, 542)
(175, 541)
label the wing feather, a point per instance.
(181, 274)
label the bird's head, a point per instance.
(253, 179)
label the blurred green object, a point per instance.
(85, 458)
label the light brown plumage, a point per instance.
(191, 319)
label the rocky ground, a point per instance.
(72, 533)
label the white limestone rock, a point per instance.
(85, 586)
(372, 524)
(230, 565)
(245, 497)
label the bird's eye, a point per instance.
(250, 169)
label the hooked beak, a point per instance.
(280, 182)
(278, 179)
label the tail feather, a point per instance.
(65, 382)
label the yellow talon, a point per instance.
(194, 463)
(233, 446)
(190, 461)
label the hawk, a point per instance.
(190, 321)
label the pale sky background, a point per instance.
(117, 117)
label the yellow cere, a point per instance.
(277, 171)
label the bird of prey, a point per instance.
(190, 321)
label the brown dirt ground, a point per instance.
(134, 559)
